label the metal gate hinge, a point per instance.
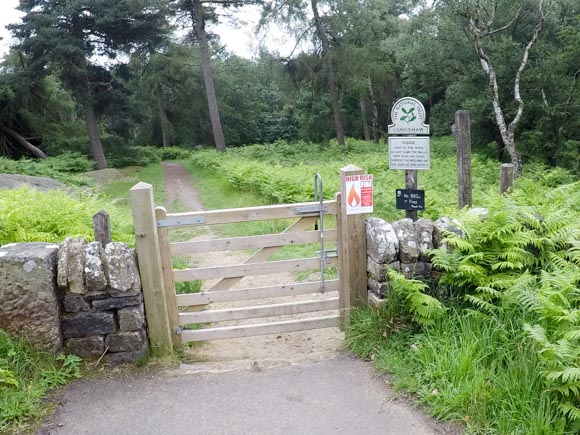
(178, 330)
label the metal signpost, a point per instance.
(409, 151)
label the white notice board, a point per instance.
(411, 152)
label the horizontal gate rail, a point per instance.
(259, 329)
(286, 309)
(251, 242)
(241, 270)
(245, 294)
(246, 214)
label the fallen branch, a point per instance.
(35, 151)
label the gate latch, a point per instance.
(323, 253)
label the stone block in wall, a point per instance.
(61, 277)
(378, 288)
(75, 303)
(116, 303)
(376, 270)
(395, 265)
(409, 249)
(121, 268)
(424, 230)
(442, 225)
(29, 302)
(95, 296)
(75, 266)
(131, 318)
(85, 324)
(131, 357)
(95, 279)
(418, 270)
(125, 341)
(85, 347)
(382, 242)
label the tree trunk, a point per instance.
(165, 125)
(375, 119)
(363, 114)
(95, 144)
(330, 70)
(35, 151)
(480, 29)
(214, 115)
(84, 96)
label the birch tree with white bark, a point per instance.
(484, 20)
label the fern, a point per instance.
(424, 309)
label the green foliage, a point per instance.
(422, 308)
(26, 375)
(369, 328)
(173, 153)
(554, 297)
(467, 367)
(64, 167)
(185, 287)
(522, 266)
(283, 172)
(27, 215)
(120, 155)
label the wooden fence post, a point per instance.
(150, 268)
(102, 228)
(168, 281)
(463, 139)
(506, 178)
(352, 245)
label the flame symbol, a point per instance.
(353, 198)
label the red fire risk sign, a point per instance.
(359, 197)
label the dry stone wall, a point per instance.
(403, 246)
(102, 301)
(78, 297)
(29, 301)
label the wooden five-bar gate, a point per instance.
(168, 313)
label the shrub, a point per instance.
(173, 153)
(62, 167)
(122, 156)
(27, 215)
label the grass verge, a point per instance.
(471, 368)
(26, 376)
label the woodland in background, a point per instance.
(117, 73)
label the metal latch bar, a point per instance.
(176, 222)
(328, 254)
(311, 209)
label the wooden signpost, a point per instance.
(409, 149)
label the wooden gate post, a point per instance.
(150, 269)
(506, 178)
(352, 253)
(463, 139)
(168, 281)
